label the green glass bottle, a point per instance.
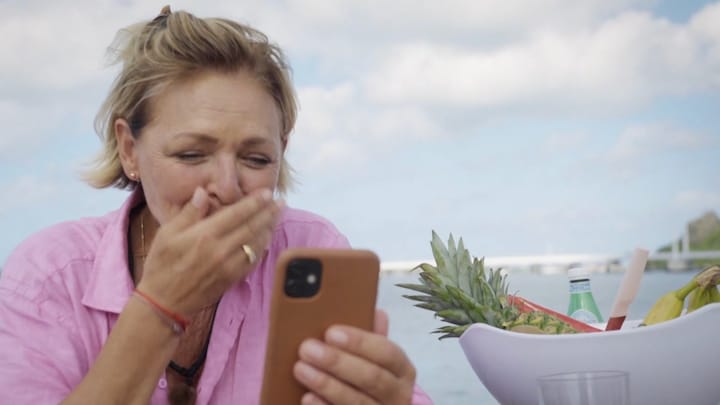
(582, 303)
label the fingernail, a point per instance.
(312, 349)
(306, 372)
(198, 197)
(308, 399)
(337, 336)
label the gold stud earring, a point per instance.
(133, 176)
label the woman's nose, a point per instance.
(226, 183)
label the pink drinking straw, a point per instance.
(628, 289)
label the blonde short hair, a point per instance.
(169, 48)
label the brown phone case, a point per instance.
(346, 295)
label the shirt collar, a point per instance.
(110, 284)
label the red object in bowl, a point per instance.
(528, 306)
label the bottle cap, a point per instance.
(578, 273)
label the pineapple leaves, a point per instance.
(454, 316)
(416, 287)
(464, 267)
(453, 271)
(424, 298)
(459, 289)
(451, 331)
(477, 274)
(439, 251)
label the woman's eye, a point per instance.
(190, 156)
(257, 161)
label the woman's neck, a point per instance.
(143, 228)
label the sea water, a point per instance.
(443, 371)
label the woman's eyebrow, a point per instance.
(197, 136)
(254, 141)
(207, 139)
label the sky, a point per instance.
(524, 127)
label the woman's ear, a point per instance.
(126, 148)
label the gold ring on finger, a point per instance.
(250, 253)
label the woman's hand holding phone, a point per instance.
(327, 344)
(355, 366)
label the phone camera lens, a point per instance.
(303, 278)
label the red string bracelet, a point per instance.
(176, 321)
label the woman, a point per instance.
(166, 299)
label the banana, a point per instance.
(707, 291)
(701, 290)
(714, 294)
(699, 297)
(670, 305)
(709, 276)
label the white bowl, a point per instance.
(674, 362)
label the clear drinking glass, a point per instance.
(585, 388)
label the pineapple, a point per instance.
(461, 292)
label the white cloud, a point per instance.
(34, 126)
(24, 125)
(629, 58)
(312, 25)
(25, 191)
(395, 74)
(60, 44)
(337, 125)
(561, 142)
(320, 108)
(643, 140)
(322, 135)
(705, 22)
(54, 46)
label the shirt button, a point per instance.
(162, 383)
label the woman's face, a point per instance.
(218, 131)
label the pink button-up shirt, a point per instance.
(62, 290)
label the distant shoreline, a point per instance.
(551, 264)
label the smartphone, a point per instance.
(313, 289)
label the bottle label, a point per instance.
(578, 287)
(583, 315)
